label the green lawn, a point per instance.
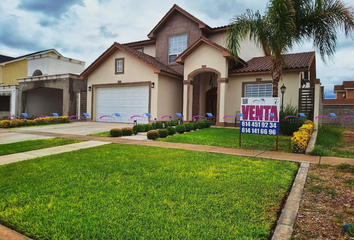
(330, 142)
(101, 134)
(29, 145)
(225, 137)
(135, 192)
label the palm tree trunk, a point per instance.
(276, 72)
(275, 86)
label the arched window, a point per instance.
(37, 73)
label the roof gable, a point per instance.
(203, 40)
(157, 66)
(174, 9)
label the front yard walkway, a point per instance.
(201, 148)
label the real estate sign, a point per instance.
(260, 116)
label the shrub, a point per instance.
(180, 128)
(158, 125)
(14, 123)
(140, 128)
(195, 125)
(163, 133)
(127, 131)
(62, 119)
(5, 124)
(202, 124)
(147, 127)
(174, 122)
(207, 123)
(171, 130)
(189, 127)
(288, 127)
(116, 132)
(153, 134)
(300, 139)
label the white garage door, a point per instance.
(124, 101)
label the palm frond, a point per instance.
(324, 21)
(248, 24)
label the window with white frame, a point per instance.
(259, 90)
(119, 65)
(177, 44)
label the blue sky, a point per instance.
(83, 29)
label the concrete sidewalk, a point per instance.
(17, 157)
(203, 148)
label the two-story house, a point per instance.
(185, 68)
(40, 83)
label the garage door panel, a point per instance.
(127, 101)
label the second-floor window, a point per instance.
(177, 44)
(119, 65)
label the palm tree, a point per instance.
(290, 22)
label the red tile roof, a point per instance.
(137, 43)
(338, 87)
(263, 64)
(151, 61)
(348, 84)
(338, 101)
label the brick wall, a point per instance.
(341, 111)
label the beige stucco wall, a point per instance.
(13, 71)
(248, 48)
(206, 55)
(1, 81)
(169, 96)
(318, 102)
(134, 71)
(150, 49)
(234, 91)
(51, 63)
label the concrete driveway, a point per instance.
(77, 128)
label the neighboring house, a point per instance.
(40, 83)
(343, 105)
(184, 67)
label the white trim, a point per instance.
(18, 59)
(48, 77)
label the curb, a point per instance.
(8, 234)
(287, 218)
(312, 142)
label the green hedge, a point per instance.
(163, 133)
(180, 129)
(153, 134)
(36, 121)
(171, 130)
(116, 132)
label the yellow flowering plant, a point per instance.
(300, 139)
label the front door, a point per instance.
(211, 101)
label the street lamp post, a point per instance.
(282, 89)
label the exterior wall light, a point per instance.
(283, 90)
(89, 88)
(152, 85)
